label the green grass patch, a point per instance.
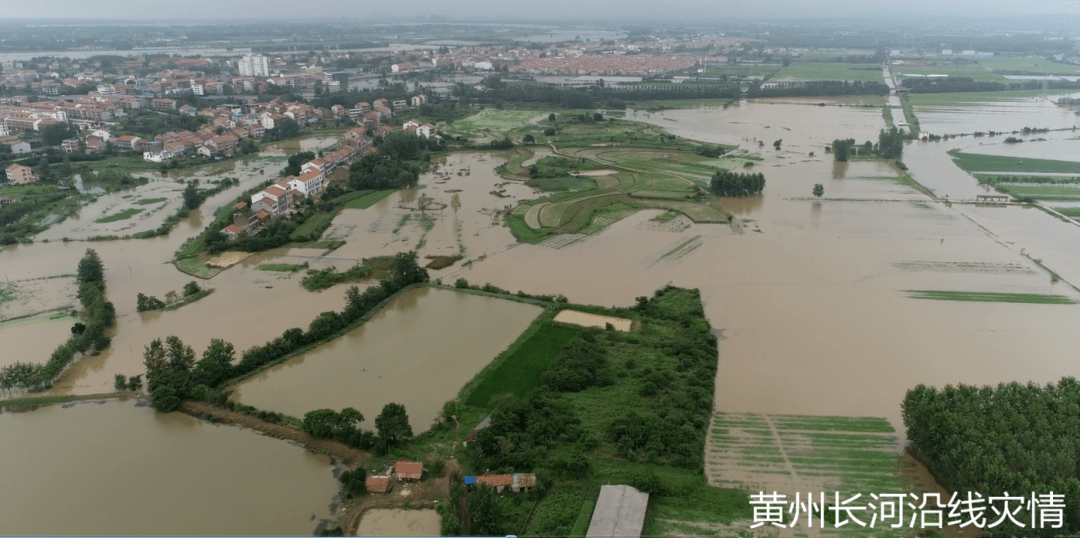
(283, 267)
(184, 301)
(975, 162)
(1041, 192)
(123, 215)
(990, 297)
(492, 120)
(151, 201)
(1038, 66)
(561, 183)
(975, 72)
(318, 221)
(518, 372)
(811, 71)
(196, 267)
(442, 262)
(367, 200)
(1073, 212)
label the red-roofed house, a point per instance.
(408, 470)
(497, 481)
(232, 231)
(378, 484)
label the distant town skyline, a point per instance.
(487, 10)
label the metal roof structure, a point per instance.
(619, 512)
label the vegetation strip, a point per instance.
(991, 297)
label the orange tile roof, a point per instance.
(377, 484)
(408, 469)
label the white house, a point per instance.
(20, 148)
(309, 183)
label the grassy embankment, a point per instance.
(648, 169)
(948, 99)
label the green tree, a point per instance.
(216, 363)
(53, 135)
(43, 168)
(528, 139)
(119, 382)
(551, 117)
(191, 288)
(486, 517)
(393, 425)
(90, 268)
(192, 197)
(819, 190)
(320, 423)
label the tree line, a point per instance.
(1014, 438)
(86, 337)
(728, 183)
(173, 374)
(890, 146)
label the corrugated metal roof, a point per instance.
(620, 512)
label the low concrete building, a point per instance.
(619, 512)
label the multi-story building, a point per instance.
(18, 174)
(254, 66)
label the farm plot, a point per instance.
(808, 454)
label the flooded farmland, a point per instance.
(418, 350)
(137, 472)
(394, 522)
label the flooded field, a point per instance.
(1006, 115)
(809, 295)
(394, 522)
(418, 351)
(136, 472)
(472, 227)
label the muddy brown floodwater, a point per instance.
(394, 522)
(114, 469)
(809, 295)
(418, 351)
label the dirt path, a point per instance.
(340, 451)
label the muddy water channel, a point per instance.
(393, 522)
(418, 351)
(137, 472)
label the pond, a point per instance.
(418, 351)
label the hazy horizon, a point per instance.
(612, 11)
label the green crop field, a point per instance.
(367, 200)
(975, 72)
(1041, 192)
(1029, 65)
(807, 71)
(975, 162)
(494, 120)
(852, 455)
(990, 297)
(519, 372)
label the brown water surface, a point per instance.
(418, 351)
(114, 469)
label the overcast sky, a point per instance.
(620, 10)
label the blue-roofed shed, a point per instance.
(470, 480)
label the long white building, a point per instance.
(254, 66)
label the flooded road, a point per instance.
(137, 472)
(418, 350)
